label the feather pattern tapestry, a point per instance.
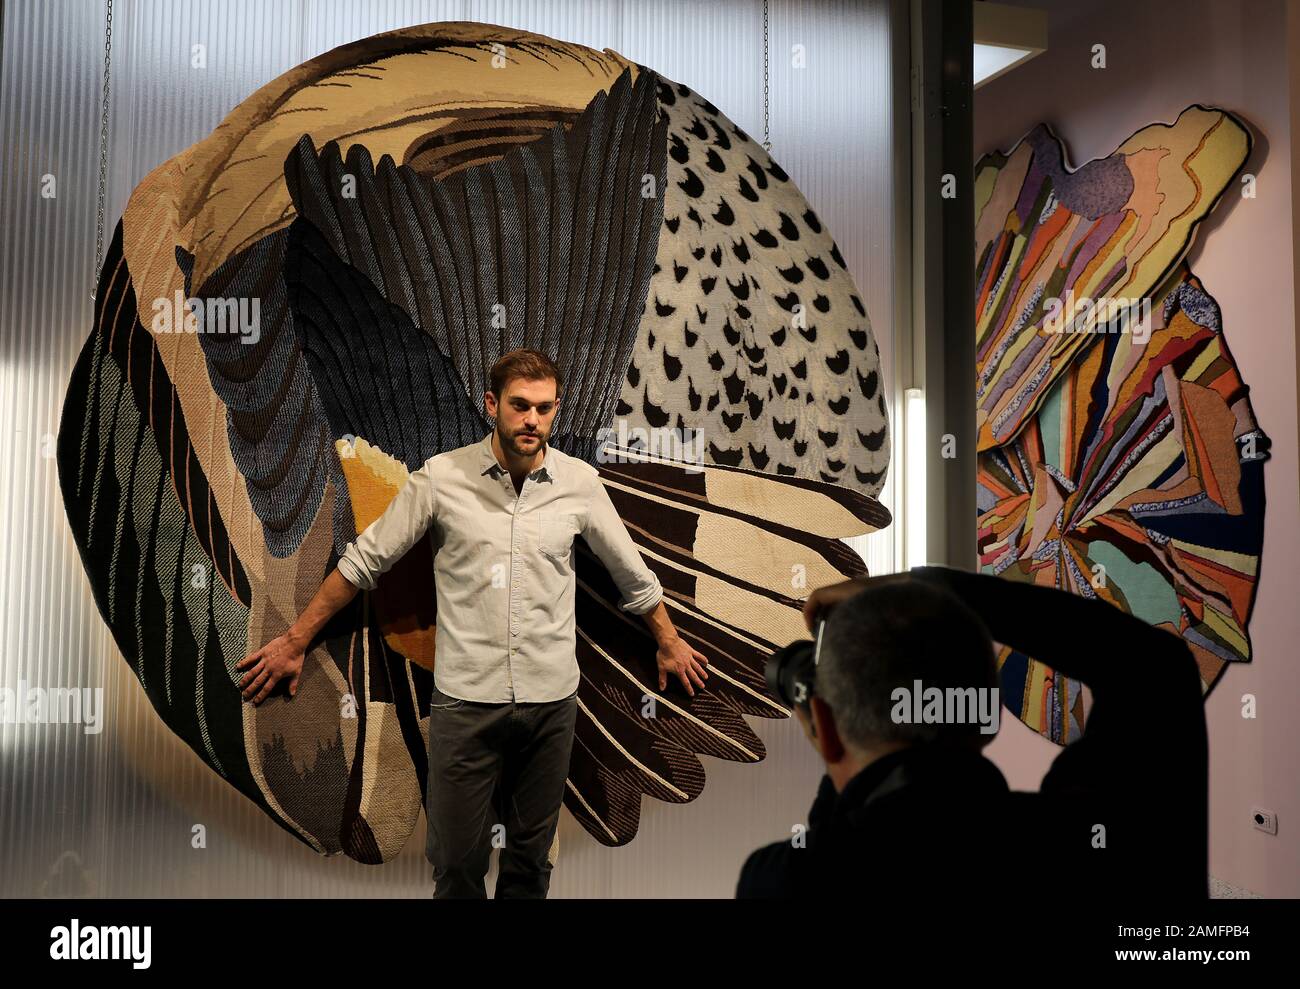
(1118, 454)
(301, 308)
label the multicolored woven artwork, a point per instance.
(301, 308)
(1119, 457)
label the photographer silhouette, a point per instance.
(904, 700)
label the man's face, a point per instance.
(524, 414)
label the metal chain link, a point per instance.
(767, 141)
(103, 154)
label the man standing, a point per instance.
(502, 514)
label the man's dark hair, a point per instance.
(531, 365)
(891, 635)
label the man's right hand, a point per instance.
(823, 600)
(282, 657)
(820, 602)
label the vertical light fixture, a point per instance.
(914, 494)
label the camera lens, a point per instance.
(790, 673)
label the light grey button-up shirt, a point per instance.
(503, 567)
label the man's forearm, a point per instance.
(661, 626)
(335, 592)
(1073, 635)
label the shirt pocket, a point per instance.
(555, 534)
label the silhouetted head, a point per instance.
(905, 662)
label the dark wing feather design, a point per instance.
(637, 739)
(278, 433)
(146, 524)
(550, 246)
(378, 375)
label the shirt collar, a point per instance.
(488, 461)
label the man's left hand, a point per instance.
(676, 656)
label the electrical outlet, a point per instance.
(1264, 820)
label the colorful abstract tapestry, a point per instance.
(1119, 457)
(1098, 240)
(301, 308)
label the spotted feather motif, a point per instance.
(753, 331)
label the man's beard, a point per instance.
(525, 449)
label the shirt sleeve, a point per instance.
(609, 540)
(387, 539)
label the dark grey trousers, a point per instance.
(496, 779)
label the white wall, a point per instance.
(1163, 55)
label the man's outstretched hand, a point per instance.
(676, 656)
(823, 599)
(820, 602)
(281, 657)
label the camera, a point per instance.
(791, 671)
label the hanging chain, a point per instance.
(103, 155)
(767, 136)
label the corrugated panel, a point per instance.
(49, 774)
(114, 813)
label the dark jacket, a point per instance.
(1123, 809)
